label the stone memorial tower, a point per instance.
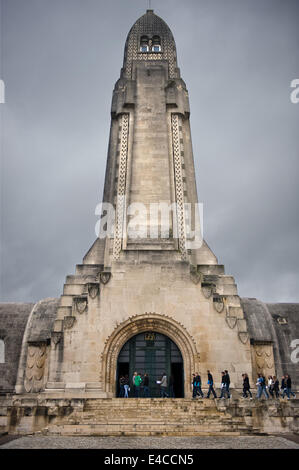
(150, 303)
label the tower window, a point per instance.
(156, 44)
(144, 44)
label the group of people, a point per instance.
(273, 388)
(268, 388)
(197, 390)
(141, 388)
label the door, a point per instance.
(154, 354)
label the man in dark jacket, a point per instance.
(223, 385)
(211, 385)
(276, 386)
(197, 386)
(246, 386)
(227, 382)
(288, 384)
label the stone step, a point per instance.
(225, 279)
(227, 289)
(233, 300)
(88, 269)
(235, 312)
(66, 301)
(64, 312)
(211, 268)
(78, 279)
(73, 289)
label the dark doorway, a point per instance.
(178, 380)
(154, 354)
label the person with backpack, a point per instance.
(197, 386)
(211, 385)
(261, 387)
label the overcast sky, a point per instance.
(60, 60)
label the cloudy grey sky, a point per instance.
(60, 60)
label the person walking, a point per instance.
(283, 386)
(246, 386)
(289, 387)
(275, 386)
(146, 390)
(126, 386)
(227, 382)
(223, 385)
(163, 386)
(133, 383)
(211, 385)
(121, 386)
(271, 386)
(197, 386)
(261, 387)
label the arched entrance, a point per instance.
(138, 324)
(152, 353)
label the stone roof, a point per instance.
(42, 319)
(258, 318)
(13, 320)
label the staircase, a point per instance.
(149, 417)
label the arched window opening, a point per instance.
(144, 44)
(2, 351)
(156, 47)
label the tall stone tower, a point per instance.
(157, 301)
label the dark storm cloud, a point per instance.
(60, 60)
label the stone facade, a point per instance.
(126, 286)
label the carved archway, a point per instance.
(139, 324)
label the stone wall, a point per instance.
(13, 319)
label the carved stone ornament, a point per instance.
(105, 277)
(93, 289)
(81, 304)
(56, 337)
(218, 304)
(243, 336)
(35, 367)
(231, 321)
(68, 322)
(207, 289)
(195, 275)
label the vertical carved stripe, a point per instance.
(121, 186)
(179, 186)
